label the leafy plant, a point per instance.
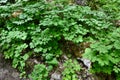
(105, 53)
(36, 27)
(40, 72)
(110, 7)
(71, 67)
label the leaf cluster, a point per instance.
(71, 67)
(32, 28)
(40, 72)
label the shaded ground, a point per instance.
(9, 73)
(6, 71)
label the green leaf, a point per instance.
(100, 47)
(54, 61)
(25, 57)
(88, 54)
(117, 44)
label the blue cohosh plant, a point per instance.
(106, 53)
(110, 7)
(29, 28)
(40, 72)
(71, 67)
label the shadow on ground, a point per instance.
(6, 71)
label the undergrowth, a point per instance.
(34, 28)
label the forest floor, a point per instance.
(9, 73)
(6, 71)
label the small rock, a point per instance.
(15, 74)
(56, 76)
(86, 62)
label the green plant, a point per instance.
(40, 72)
(36, 27)
(71, 67)
(110, 7)
(105, 53)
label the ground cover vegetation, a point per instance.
(46, 29)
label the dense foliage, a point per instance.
(71, 67)
(36, 27)
(40, 72)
